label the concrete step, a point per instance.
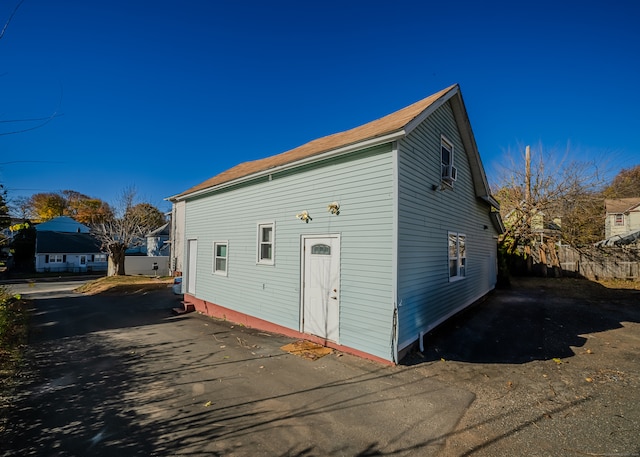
(186, 308)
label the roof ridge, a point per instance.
(388, 124)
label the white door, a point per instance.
(321, 286)
(192, 250)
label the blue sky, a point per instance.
(163, 95)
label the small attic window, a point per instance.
(449, 172)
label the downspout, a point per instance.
(421, 340)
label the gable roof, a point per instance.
(621, 205)
(383, 130)
(48, 242)
(62, 224)
(160, 231)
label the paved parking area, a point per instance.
(122, 376)
(532, 371)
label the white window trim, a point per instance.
(457, 277)
(259, 243)
(615, 219)
(445, 143)
(213, 267)
(56, 258)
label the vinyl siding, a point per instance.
(425, 216)
(362, 184)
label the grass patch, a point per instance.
(13, 334)
(125, 285)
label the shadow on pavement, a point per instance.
(536, 319)
(113, 376)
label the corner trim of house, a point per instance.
(220, 312)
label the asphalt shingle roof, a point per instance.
(391, 123)
(66, 243)
(621, 205)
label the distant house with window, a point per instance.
(65, 245)
(363, 240)
(622, 221)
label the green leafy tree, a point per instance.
(5, 220)
(23, 246)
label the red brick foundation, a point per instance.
(220, 312)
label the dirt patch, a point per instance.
(307, 350)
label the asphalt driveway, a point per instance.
(114, 375)
(532, 371)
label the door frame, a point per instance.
(190, 274)
(303, 238)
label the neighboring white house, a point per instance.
(622, 216)
(622, 222)
(62, 244)
(176, 237)
(157, 241)
(363, 240)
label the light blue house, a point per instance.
(63, 244)
(363, 240)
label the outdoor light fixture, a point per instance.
(334, 208)
(304, 216)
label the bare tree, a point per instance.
(125, 229)
(552, 188)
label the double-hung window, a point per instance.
(619, 219)
(457, 256)
(55, 258)
(266, 243)
(220, 257)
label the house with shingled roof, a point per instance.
(65, 245)
(363, 241)
(622, 217)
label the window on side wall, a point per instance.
(266, 243)
(457, 256)
(220, 257)
(449, 172)
(619, 219)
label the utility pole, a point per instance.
(527, 162)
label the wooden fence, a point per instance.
(601, 262)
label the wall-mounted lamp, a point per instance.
(304, 216)
(334, 208)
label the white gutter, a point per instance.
(315, 158)
(492, 201)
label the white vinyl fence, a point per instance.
(144, 265)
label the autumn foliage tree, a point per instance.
(626, 184)
(42, 207)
